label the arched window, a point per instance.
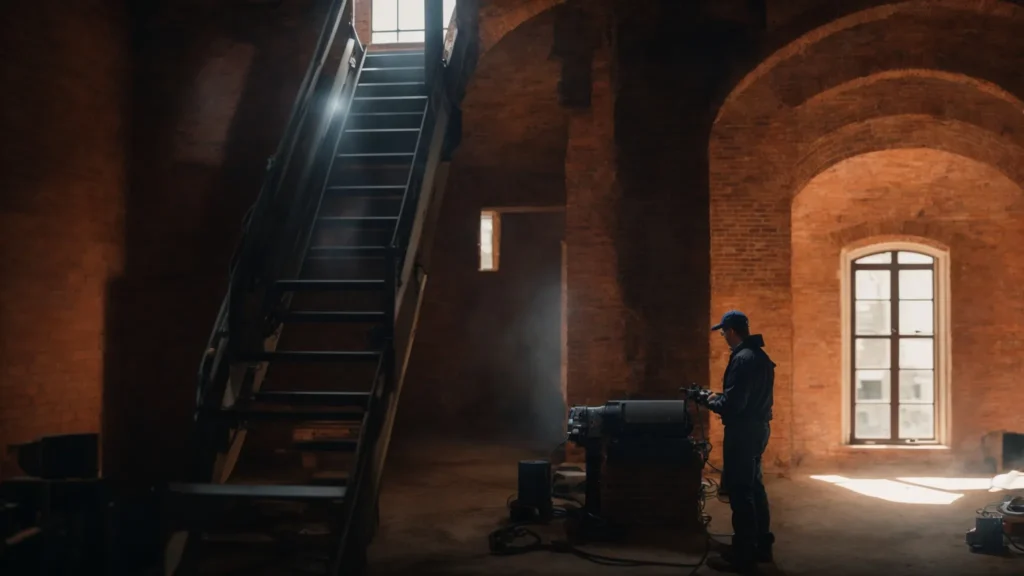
(896, 345)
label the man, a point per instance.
(745, 406)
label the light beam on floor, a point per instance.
(951, 484)
(891, 490)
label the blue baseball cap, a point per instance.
(732, 319)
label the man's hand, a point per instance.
(712, 397)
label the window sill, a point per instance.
(855, 447)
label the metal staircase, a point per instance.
(299, 386)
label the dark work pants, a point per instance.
(745, 443)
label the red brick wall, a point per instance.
(835, 94)
(924, 195)
(463, 370)
(498, 18)
(636, 170)
(597, 365)
(63, 177)
(362, 11)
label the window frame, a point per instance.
(495, 217)
(398, 31)
(940, 336)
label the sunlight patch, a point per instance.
(892, 491)
(951, 484)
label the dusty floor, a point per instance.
(439, 505)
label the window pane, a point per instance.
(916, 284)
(488, 241)
(917, 317)
(872, 284)
(917, 386)
(873, 386)
(383, 38)
(917, 421)
(411, 15)
(913, 258)
(872, 422)
(486, 231)
(486, 260)
(449, 9)
(872, 353)
(881, 258)
(872, 318)
(917, 353)
(410, 36)
(384, 16)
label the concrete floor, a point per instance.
(440, 504)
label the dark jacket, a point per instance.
(749, 383)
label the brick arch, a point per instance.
(835, 93)
(988, 88)
(909, 131)
(961, 205)
(889, 232)
(843, 36)
(500, 17)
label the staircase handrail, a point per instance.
(259, 219)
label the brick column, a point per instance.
(362, 12)
(597, 368)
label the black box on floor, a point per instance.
(534, 489)
(987, 536)
(61, 457)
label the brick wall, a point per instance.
(597, 365)
(971, 209)
(212, 91)
(362, 13)
(63, 171)
(779, 129)
(636, 170)
(467, 367)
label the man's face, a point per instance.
(730, 336)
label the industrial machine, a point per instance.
(642, 463)
(625, 434)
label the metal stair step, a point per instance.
(394, 59)
(374, 74)
(373, 140)
(379, 120)
(358, 220)
(310, 356)
(328, 285)
(259, 492)
(376, 159)
(252, 413)
(346, 252)
(364, 104)
(327, 445)
(355, 174)
(394, 88)
(358, 399)
(379, 140)
(381, 192)
(330, 316)
(382, 131)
